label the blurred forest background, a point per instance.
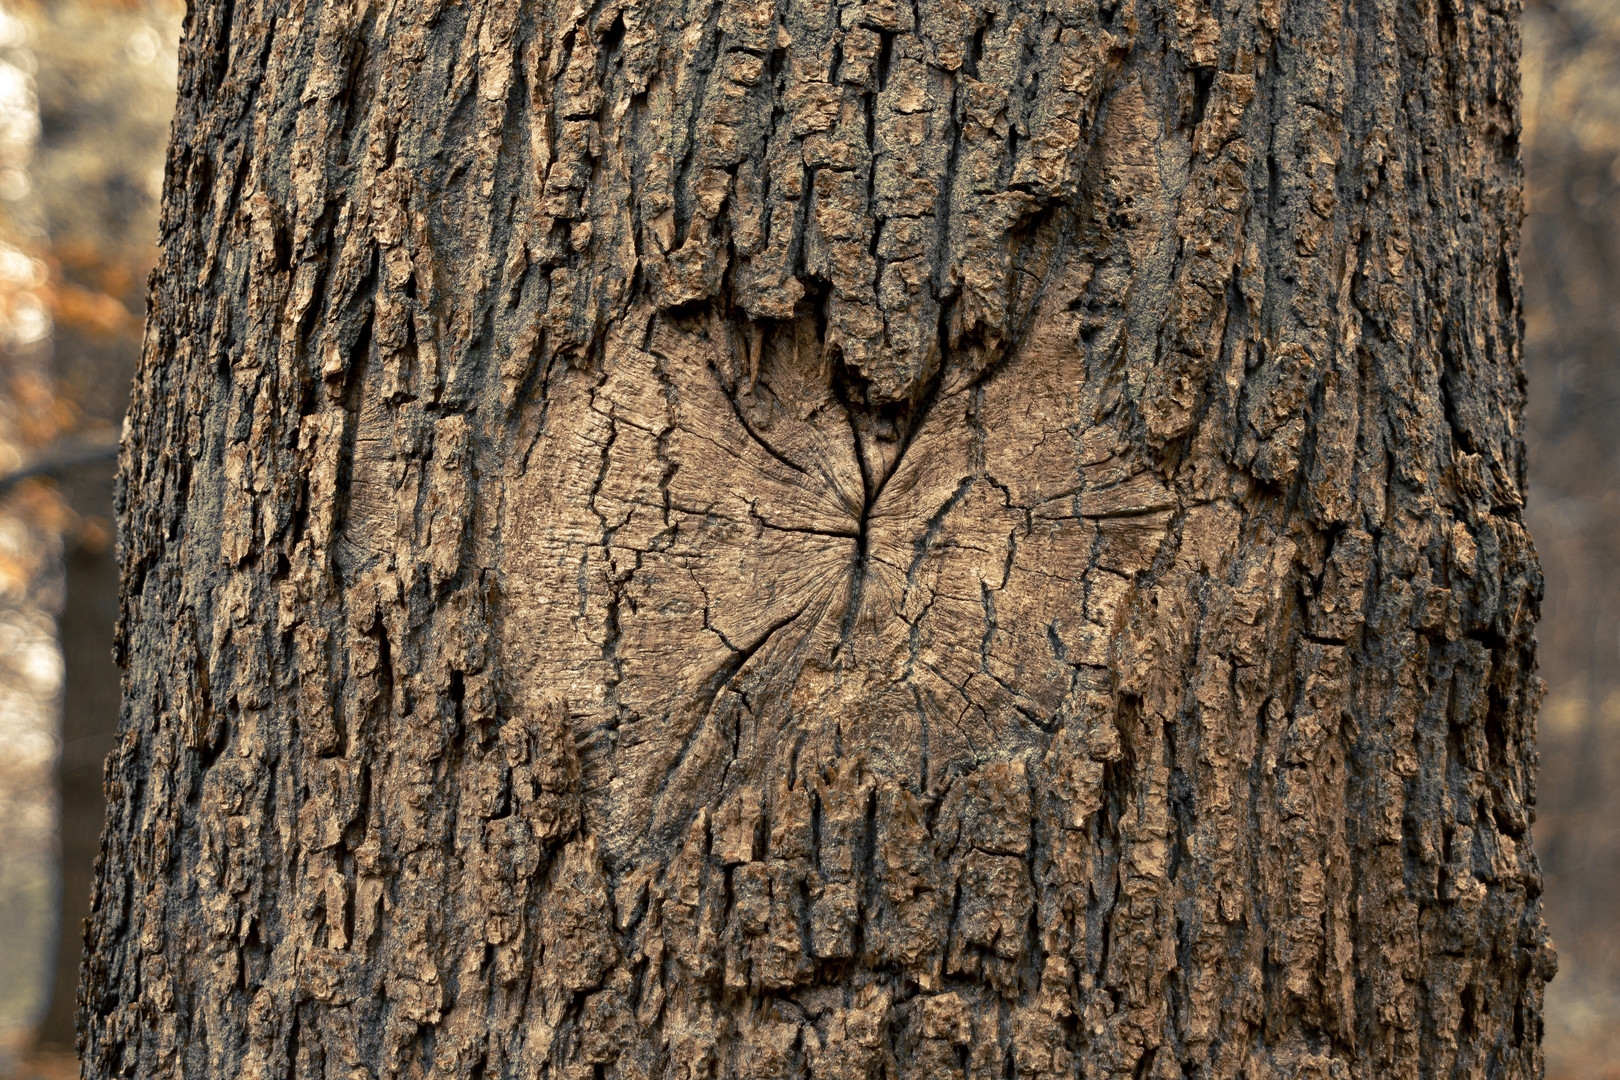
(86, 93)
(86, 89)
(1571, 263)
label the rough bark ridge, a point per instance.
(793, 538)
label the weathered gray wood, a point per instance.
(777, 539)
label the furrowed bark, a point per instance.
(836, 540)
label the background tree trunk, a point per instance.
(778, 538)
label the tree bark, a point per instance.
(777, 538)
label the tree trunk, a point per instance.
(786, 539)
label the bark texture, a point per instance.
(816, 539)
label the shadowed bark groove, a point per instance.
(818, 539)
